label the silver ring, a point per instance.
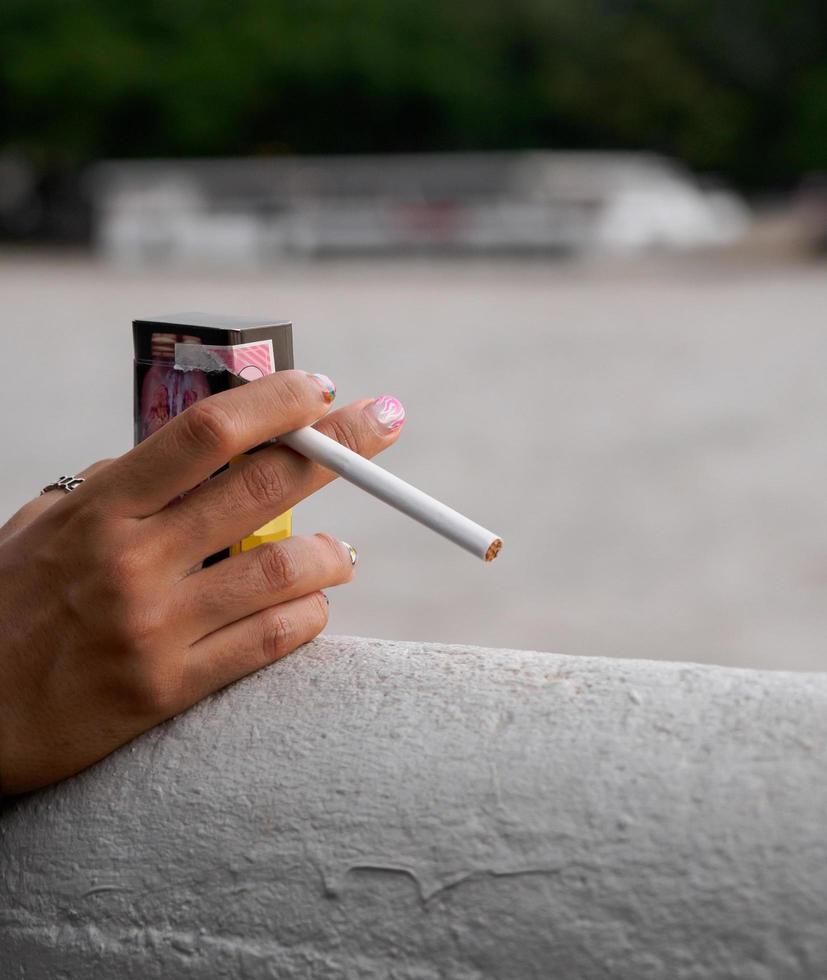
(66, 483)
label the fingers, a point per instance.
(34, 508)
(206, 436)
(252, 643)
(266, 484)
(274, 572)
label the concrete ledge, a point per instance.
(370, 809)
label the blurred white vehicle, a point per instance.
(253, 211)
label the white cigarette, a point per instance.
(399, 494)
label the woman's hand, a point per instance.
(109, 623)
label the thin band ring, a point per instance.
(65, 483)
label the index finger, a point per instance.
(192, 446)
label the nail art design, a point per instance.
(354, 554)
(389, 412)
(327, 386)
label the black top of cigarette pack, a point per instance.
(152, 334)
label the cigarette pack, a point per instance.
(185, 357)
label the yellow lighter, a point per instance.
(280, 527)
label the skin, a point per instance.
(110, 625)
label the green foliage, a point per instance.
(738, 87)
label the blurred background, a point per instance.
(583, 241)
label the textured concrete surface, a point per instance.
(649, 439)
(385, 810)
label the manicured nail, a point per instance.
(388, 411)
(327, 386)
(354, 554)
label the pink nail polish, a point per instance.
(327, 386)
(388, 411)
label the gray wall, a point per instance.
(649, 440)
(371, 809)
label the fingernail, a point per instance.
(388, 411)
(354, 554)
(327, 386)
(324, 596)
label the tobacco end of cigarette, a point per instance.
(493, 549)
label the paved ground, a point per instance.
(650, 441)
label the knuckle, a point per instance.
(334, 550)
(263, 482)
(279, 566)
(96, 467)
(209, 426)
(123, 572)
(139, 627)
(134, 609)
(88, 517)
(280, 636)
(144, 683)
(292, 393)
(151, 691)
(323, 611)
(144, 622)
(342, 429)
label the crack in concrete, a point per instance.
(429, 886)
